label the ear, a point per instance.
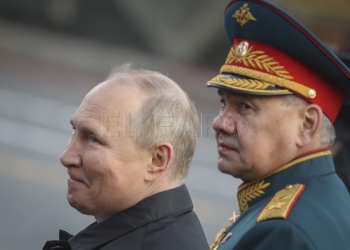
(311, 123)
(162, 156)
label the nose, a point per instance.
(222, 124)
(71, 156)
(217, 123)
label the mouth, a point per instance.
(74, 183)
(226, 144)
(222, 148)
(73, 178)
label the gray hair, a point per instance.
(167, 115)
(327, 128)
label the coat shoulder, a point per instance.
(173, 233)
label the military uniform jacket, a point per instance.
(301, 206)
(162, 221)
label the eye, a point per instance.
(245, 106)
(223, 103)
(93, 139)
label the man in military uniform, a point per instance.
(281, 90)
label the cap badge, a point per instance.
(242, 49)
(243, 15)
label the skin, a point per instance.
(108, 172)
(277, 134)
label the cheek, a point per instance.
(258, 141)
(276, 137)
(285, 129)
(253, 148)
(113, 168)
(97, 167)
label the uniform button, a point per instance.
(289, 187)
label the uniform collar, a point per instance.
(313, 163)
(161, 205)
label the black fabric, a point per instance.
(162, 221)
(63, 235)
(57, 245)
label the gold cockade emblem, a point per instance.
(243, 15)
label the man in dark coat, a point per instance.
(132, 143)
(280, 89)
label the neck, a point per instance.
(161, 185)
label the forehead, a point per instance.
(109, 100)
(236, 95)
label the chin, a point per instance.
(229, 169)
(80, 206)
(223, 168)
(224, 165)
(72, 202)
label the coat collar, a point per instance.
(161, 205)
(304, 166)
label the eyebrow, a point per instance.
(85, 128)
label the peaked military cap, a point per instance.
(273, 54)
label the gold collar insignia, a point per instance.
(249, 191)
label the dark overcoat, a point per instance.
(163, 221)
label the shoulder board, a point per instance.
(281, 203)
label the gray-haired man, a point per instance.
(132, 143)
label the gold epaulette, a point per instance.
(281, 203)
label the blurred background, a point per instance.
(52, 52)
